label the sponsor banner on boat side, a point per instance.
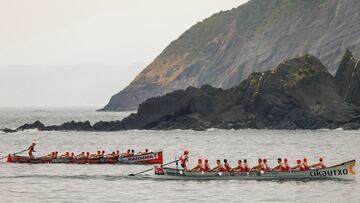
(329, 173)
(143, 157)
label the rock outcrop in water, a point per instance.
(299, 94)
(226, 48)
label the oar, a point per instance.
(152, 169)
(14, 154)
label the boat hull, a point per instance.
(149, 158)
(344, 171)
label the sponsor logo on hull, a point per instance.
(328, 173)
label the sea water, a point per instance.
(111, 183)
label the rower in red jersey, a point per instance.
(305, 164)
(266, 166)
(239, 166)
(206, 166)
(299, 166)
(183, 159)
(280, 166)
(286, 164)
(259, 166)
(227, 166)
(219, 166)
(198, 167)
(246, 166)
(319, 165)
(31, 150)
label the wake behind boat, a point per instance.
(345, 171)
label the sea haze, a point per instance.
(109, 183)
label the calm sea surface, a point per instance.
(111, 183)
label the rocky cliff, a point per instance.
(227, 47)
(299, 94)
(348, 78)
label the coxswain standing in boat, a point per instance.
(183, 159)
(280, 166)
(31, 150)
(198, 167)
(227, 166)
(319, 165)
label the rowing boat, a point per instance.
(144, 158)
(344, 171)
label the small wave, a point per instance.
(30, 131)
(81, 177)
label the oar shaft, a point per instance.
(14, 154)
(152, 169)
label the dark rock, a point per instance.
(36, 125)
(299, 94)
(348, 78)
(8, 130)
(108, 126)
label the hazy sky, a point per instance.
(51, 42)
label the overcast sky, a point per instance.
(86, 50)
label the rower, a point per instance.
(82, 155)
(198, 167)
(319, 165)
(299, 166)
(219, 166)
(280, 166)
(87, 155)
(103, 153)
(266, 166)
(183, 159)
(240, 166)
(246, 166)
(72, 154)
(259, 166)
(227, 166)
(206, 166)
(132, 153)
(286, 164)
(128, 152)
(117, 152)
(305, 164)
(31, 150)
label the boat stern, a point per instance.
(9, 159)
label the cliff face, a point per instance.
(298, 94)
(348, 78)
(226, 48)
